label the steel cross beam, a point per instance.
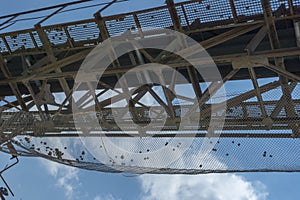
(13, 86)
(279, 61)
(41, 70)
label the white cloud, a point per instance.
(97, 197)
(205, 187)
(67, 177)
(107, 197)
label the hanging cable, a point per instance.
(64, 11)
(43, 9)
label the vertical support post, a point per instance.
(185, 17)
(174, 15)
(138, 24)
(13, 86)
(279, 61)
(291, 7)
(105, 35)
(258, 93)
(33, 40)
(28, 86)
(46, 43)
(6, 45)
(101, 25)
(233, 10)
(51, 56)
(69, 38)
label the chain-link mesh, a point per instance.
(84, 31)
(196, 15)
(248, 8)
(253, 138)
(118, 26)
(20, 41)
(56, 36)
(157, 18)
(2, 46)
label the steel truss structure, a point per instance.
(248, 41)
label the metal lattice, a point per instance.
(120, 25)
(260, 131)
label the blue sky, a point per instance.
(34, 178)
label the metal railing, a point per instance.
(193, 15)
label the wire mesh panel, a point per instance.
(248, 8)
(37, 38)
(56, 36)
(295, 94)
(120, 25)
(296, 3)
(19, 41)
(193, 11)
(280, 8)
(260, 132)
(181, 15)
(82, 32)
(2, 46)
(208, 11)
(276, 5)
(249, 140)
(226, 155)
(158, 18)
(296, 6)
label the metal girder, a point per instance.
(256, 40)
(174, 15)
(36, 101)
(279, 61)
(221, 38)
(281, 72)
(50, 67)
(42, 73)
(50, 54)
(283, 100)
(211, 91)
(226, 37)
(235, 101)
(13, 86)
(41, 69)
(257, 91)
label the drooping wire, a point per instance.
(9, 25)
(63, 11)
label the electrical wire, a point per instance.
(63, 11)
(12, 23)
(45, 8)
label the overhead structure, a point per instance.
(253, 126)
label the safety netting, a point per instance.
(250, 140)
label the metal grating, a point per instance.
(2, 46)
(118, 26)
(248, 8)
(296, 6)
(208, 11)
(240, 152)
(19, 41)
(296, 3)
(56, 36)
(278, 4)
(180, 13)
(192, 11)
(198, 14)
(245, 121)
(280, 8)
(157, 18)
(37, 38)
(82, 32)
